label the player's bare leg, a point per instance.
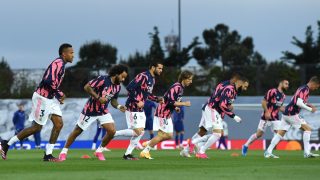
(110, 128)
(215, 136)
(275, 140)
(138, 133)
(21, 135)
(306, 141)
(71, 138)
(251, 139)
(161, 136)
(57, 126)
(197, 140)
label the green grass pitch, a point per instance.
(167, 164)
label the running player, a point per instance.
(172, 100)
(45, 104)
(272, 103)
(291, 117)
(102, 90)
(206, 124)
(139, 89)
(214, 116)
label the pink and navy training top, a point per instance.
(174, 94)
(225, 100)
(275, 100)
(214, 98)
(104, 88)
(292, 108)
(140, 89)
(51, 80)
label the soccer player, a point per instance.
(148, 107)
(291, 117)
(178, 126)
(214, 115)
(172, 100)
(205, 123)
(102, 90)
(45, 104)
(272, 103)
(18, 120)
(139, 90)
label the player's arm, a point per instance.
(184, 103)
(311, 105)
(53, 81)
(89, 88)
(267, 113)
(115, 104)
(60, 96)
(155, 98)
(132, 89)
(300, 101)
(15, 118)
(282, 109)
(225, 102)
(302, 105)
(134, 84)
(264, 103)
(173, 97)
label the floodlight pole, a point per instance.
(179, 24)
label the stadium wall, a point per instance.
(248, 108)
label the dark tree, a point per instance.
(309, 56)
(6, 78)
(97, 55)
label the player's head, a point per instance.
(185, 78)
(119, 72)
(156, 68)
(66, 52)
(283, 84)
(234, 77)
(21, 107)
(242, 84)
(314, 83)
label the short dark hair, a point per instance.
(315, 79)
(281, 80)
(244, 79)
(155, 64)
(236, 75)
(63, 47)
(118, 69)
(184, 75)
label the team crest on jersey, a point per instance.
(231, 101)
(150, 88)
(109, 96)
(279, 103)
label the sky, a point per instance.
(31, 31)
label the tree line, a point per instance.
(219, 52)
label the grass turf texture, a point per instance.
(28, 164)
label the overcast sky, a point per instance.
(31, 31)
